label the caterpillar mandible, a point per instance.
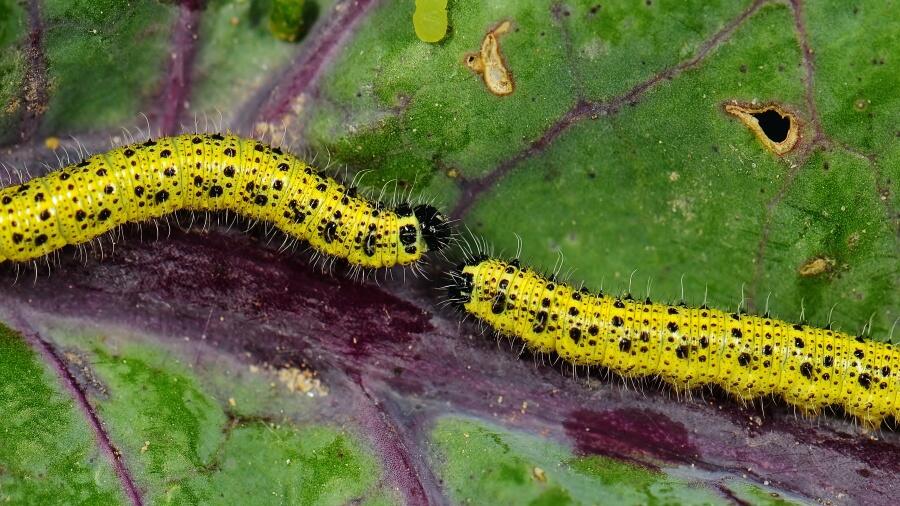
(748, 356)
(210, 172)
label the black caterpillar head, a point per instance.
(436, 231)
(459, 292)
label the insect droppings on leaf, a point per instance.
(430, 20)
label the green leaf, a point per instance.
(209, 367)
(184, 441)
(484, 464)
(646, 173)
(98, 75)
(47, 452)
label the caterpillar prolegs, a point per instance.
(211, 172)
(748, 356)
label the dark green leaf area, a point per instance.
(448, 113)
(856, 69)
(99, 76)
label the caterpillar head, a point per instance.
(462, 280)
(459, 291)
(436, 230)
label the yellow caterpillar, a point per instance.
(211, 172)
(748, 356)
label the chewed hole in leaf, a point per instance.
(774, 125)
(489, 62)
(776, 128)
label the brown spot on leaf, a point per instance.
(489, 62)
(776, 128)
(816, 266)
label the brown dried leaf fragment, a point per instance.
(775, 127)
(489, 62)
(816, 266)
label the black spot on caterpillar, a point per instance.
(748, 356)
(210, 172)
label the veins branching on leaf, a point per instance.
(271, 106)
(809, 68)
(585, 109)
(407, 469)
(176, 84)
(417, 366)
(819, 140)
(52, 358)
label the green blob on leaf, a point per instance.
(430, 20)
(286, 19)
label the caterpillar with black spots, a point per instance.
(212, 172)
(748, 356)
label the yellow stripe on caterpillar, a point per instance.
(748, 356)
(210, 172)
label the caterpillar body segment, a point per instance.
(211, 172)
(748, 356)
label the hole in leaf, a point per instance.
(777, 129)
(774, 125)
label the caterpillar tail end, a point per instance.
(436, 229)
